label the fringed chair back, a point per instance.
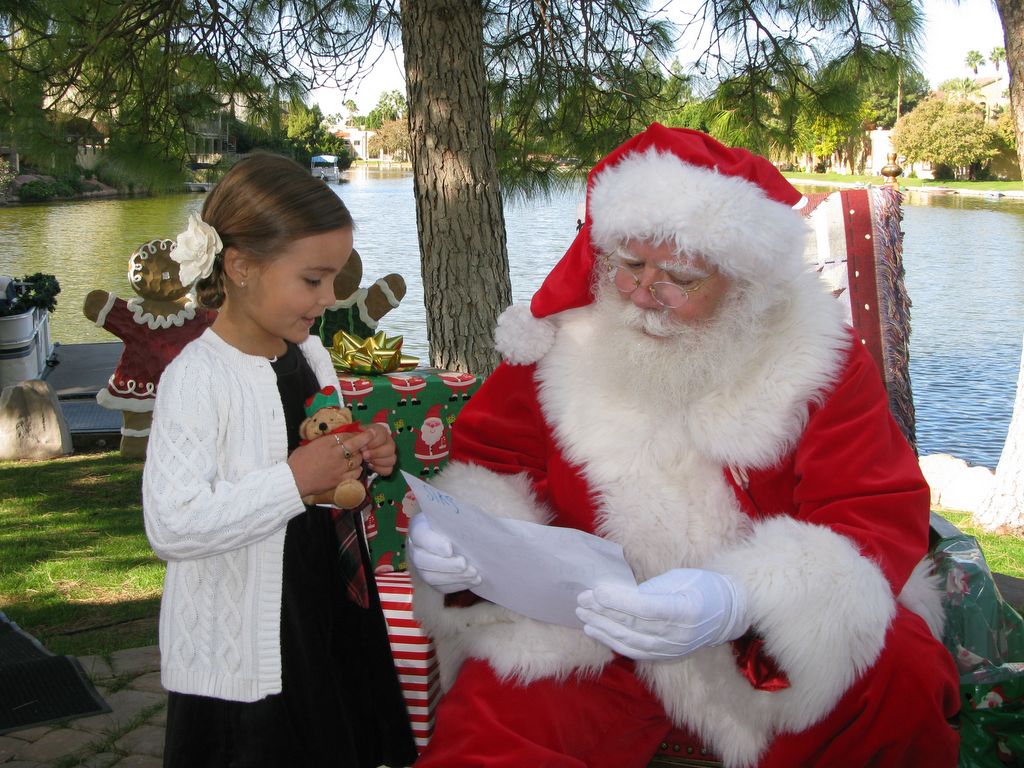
(857, 246)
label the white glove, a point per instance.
(434, 558)
(666, 617)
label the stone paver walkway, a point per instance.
(130, 736)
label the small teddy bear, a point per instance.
(326, 416)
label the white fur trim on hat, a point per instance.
(725, 219)
(520, 337)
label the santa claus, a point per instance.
(432, 443)
(685, 386)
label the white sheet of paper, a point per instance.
(535, 570)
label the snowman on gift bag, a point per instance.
(431, 447)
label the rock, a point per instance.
(954, 483)
(32, 425)
(937, 469)
(968, 489)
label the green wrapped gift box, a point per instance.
(419, 408)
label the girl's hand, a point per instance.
(323, 463)
(376, 447)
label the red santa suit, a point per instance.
(792, 479)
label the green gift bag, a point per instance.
(986, 637)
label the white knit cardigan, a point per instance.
(217, 495)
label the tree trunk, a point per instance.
(1005, 506)
(1003, 510)
(458, 202)
(899, 93)
(1011, 13)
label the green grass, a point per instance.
(76, 570)
(1004, 554)
(995, 186)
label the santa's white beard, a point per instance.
(667, 363)
(432, 431)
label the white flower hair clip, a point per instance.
(195, 250)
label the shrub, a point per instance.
(72, 181)
(32, 291)
(63, 188)
(41, 190)
(36, 191)
(6, 177)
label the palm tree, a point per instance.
(997, 55)
(974, 60)
(351, 110)
(958, 87)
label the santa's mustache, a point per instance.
(668, 361)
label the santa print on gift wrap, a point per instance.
(458, 383)
(377, 394)
(381, 417)
(994, 699)
(370, 525)
(957, 586)
(432, 442)
(390, 562)
(355, 391)
(408, 386)
(401, 516)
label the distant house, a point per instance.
(210, 140)
(991, 93)
(358, 138)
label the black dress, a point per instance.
(340, 704)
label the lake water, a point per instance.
(964, 260)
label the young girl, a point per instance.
(269, 660)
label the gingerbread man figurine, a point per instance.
(358, 310)
(154, 326)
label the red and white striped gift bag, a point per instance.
(414, 654)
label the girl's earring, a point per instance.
(241, 284)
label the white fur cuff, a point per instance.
(822, 608)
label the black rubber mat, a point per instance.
(37, 687)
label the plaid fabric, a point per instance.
(350, 554)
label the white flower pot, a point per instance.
(17, 329)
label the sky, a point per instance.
(951, 30)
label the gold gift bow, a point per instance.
(374, 354)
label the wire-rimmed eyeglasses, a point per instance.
(668, 293)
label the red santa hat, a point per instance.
(434, 412)
(669, 185)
